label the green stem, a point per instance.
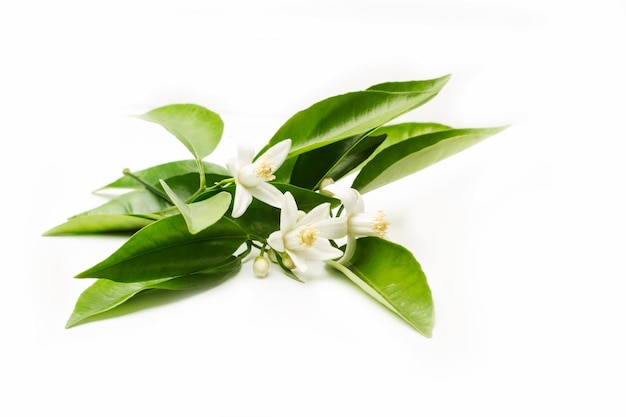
(201, 172)
(247, 251)
(215, 186)
(260, 247)
(148, 186)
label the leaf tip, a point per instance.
(84, 274)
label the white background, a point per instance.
(521, 236)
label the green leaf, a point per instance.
(100, 223)
(352, 114)
(133, 202)
(125, 213)
(165, 248)
(355, 156)
(104, 295)
(202, 214)
(334, 160)
(411, 155)
(165, 171)
(397, 133)
(130, 211)
(198, 128)
(390, 274)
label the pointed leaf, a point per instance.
(355, 156)
(334, 160)
(198, 128)
(355, 113)
(165, 248)
(104, 295)
(397, 133)
(133, 202)
(202, 214)
(411, 155)
(100, 223)
(390, 274)
(125, 213)
(165, 171)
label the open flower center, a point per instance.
(264, 169)
(380, 224)
(307, 235)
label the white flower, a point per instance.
(358, 222)
(307, 238)
(251, 177)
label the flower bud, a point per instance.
(272, 255)
(287, 261)
(260, 266)
(326, 182)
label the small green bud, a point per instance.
(287, 261)
(326, 182)
(260, 266)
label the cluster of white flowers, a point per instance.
(302, 236)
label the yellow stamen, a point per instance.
(380, 224)
(307, 235)
(264, 169)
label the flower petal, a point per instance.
(231, 165)
(321, 250)
(277, 154)
(245, 154)
(332, 227)
(243, 198)
(351, 198)
(268, 194)
(247, 176)
(350, 248)
(288, 213)
(275, 240)
(291, 241)
(318, 213)
(299, 262)
(367, 224)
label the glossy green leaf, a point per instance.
(397, 133)
(104, 295)
(411, 155)
(133, 202)
(165, 248)
(334, 160)
(201, 214)
(125, 213)
(198, 128)
(390, 274)
(166, 171)
(352, 114)
(100, 223)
